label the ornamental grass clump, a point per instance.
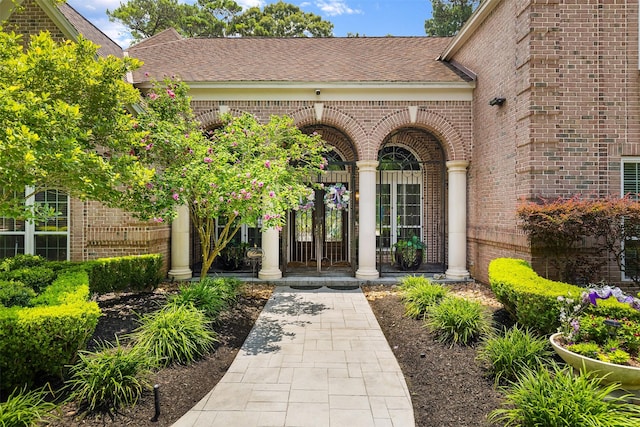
(175, 334)
(210, 295)
(26, 408)
(110, 378)
(419, 294)
(560, 398)
(505, 356)
(458, 321)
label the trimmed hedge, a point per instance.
(533, 300)
(40, 341)
(136, 272)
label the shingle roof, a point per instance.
(90, 31)
(352, 59)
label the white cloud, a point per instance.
(336, 7)
(246, 4)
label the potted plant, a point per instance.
(232, 257)
(603, 346)
(408, 253)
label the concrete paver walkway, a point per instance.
(313, 358)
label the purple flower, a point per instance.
(267, 164)
(208, 160)
(175, 196)
(171, 93)
(272, 193)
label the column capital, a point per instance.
(457, 165)
(367, 165)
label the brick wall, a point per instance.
(31, 19)
(569, 72)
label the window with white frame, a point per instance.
(49, 238)
(631, 188)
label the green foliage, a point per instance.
(210, 295)
(37, 277)
(419, 294)
(219, 18)
(507, 355)
(243, 172)
(558, 398)
(110, 378)
(280, 19)
(448, 16)
(458, 321)
(64, 123)
(49, 335)
(21, 261)
(589, 349)
(15, 294)
(533, 301)
(616, 356)
(135, 272)
(408, 253)
(174, 334)
(26, 408)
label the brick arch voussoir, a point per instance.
(450, 137)
(211, 119)
(347, 124)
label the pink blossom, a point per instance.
(221, 198)
(267, 217)
(321, 166)
(171, 93)
(208, 160)
(153, 96)
(267, 164)
(175, 196)
(158, 219)
(272, 193)
(279, 227)
(149, 146)
(260, 184)
(236, 213)
(247, 196)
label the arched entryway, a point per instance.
(320, 235)
(411, 203)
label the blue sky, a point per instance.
(366, 17)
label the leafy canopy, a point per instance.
(448, 16)
(243, 172)
(64, 122)
(218, 18)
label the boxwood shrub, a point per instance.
(136, 272)
(40, 341)
(533, 300)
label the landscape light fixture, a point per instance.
(497, 101)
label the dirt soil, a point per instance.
(447, 386)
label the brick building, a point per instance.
(438, 138)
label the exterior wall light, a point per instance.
(497, 101)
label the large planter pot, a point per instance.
(409, 264)
(627, 376)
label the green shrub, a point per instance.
(458, 321)
(110, 378)
(211, 296)
(26, 409)
(21, 261)
(175, 334)
(140, 272)
(15, 294)
(533, 301)
(46, 337)
(37, 278)
(507, 355)
(558, 398)
(419, 294)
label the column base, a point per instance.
(366, 274)
(180, 274)
(457, 274)
(270, 274)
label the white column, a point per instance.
(367, 220)
(457, 219)
(270, 255)
(180, 245)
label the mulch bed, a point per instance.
(447, 386)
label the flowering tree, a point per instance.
(243, 172)
(64, 123)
